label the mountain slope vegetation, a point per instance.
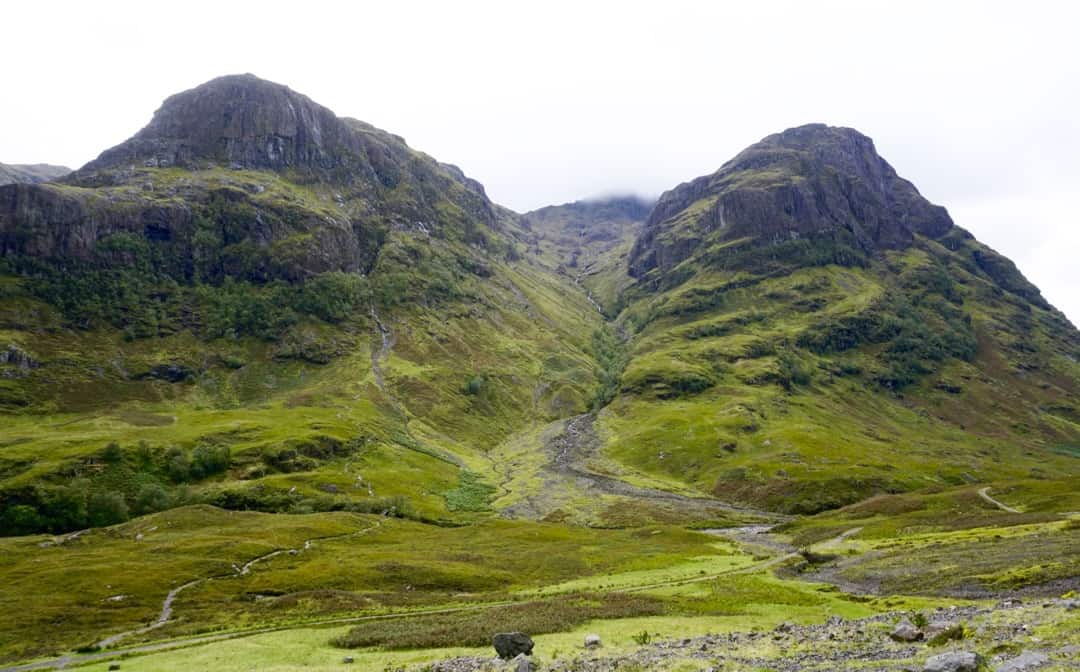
(321, 375)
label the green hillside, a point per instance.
(267, 368)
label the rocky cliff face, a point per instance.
(31, 173)
(810, 181)
(243, 122)
(281, 185)
(589, 241)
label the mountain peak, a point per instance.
(812, 181)
(242, 121)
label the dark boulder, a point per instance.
(511, 644)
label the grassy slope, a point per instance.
(60, 592)
(701, 408)
(705, 399)
(521, 331)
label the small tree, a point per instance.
(475, 386)
(106, 508)
(20, 519)
(152, 497)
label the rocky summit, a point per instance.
(813, 181)
(275, 385)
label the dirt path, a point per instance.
(985, 494)
(167, 606)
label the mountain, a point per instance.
(253, 275)
(325, 190)
(805, 306)
(281, 369)
(30, 173)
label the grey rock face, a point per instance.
(954, 661)
(1028, 660)
(240, 121)
(813, 180)
(905, 631)
(17, 357)
(511, 644)
(522, 663)
(244, 122)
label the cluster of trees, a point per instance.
(145, 302)
(110, 488)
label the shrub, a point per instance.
(790, 371)
(610, 353)
(642, 638)
(207, 460)
(952, 633)
(474, 386)
(178, 465)
(20, 519)
(106, 508)
(150, 498)
(113, 454)
(475, 628)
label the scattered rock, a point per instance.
(905, 631)
(937, 627)
(1028, 660)
(511, 644)
(17, 357)
(593, 642)
(523, 663)
(348, 660)
(954, 661)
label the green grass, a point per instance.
(60, 592)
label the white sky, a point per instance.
(978, 103)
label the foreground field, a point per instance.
(278, 592)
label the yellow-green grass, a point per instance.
(942, 510)
(60, 592)
(57, 593)
(979, 561)
(526, 342)
(754, 602)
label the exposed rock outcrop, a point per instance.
(281, 185)
(811, 180)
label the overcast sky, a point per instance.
(978, 103)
